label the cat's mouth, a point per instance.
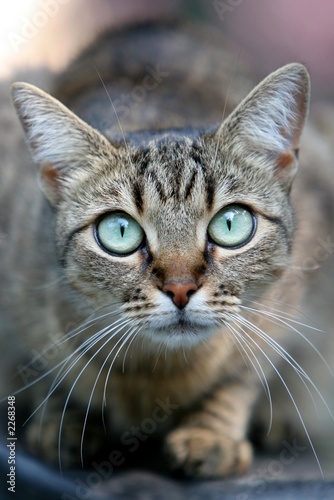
(182, 330)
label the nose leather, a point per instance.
(180, 291)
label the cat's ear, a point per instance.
(266, 127)
(63, 146)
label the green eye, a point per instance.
(119, 233)
(233, 226)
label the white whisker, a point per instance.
(127, 349)
(291, 361)
(225, 104)
(288, 358)
(159, 351)
(274, 345)
(104, 399)
(70, 335)
(289, 393)
(116, 114)
(125, 337)
(89, 344)
(120, 327)
(262, 377)
(285, 315)
(277, 320)
(133, 332)
(85, 346)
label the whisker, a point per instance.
(127, 349)
(133, 332)
(87, 324)
(104, 400)
(65, 338)
(237, 344)
(125, 336)
(289, 393)
(79, 375)
(274, 345)
(116, 114)
(277, 320)
(159, 351)
(44, 286)
(262, 376)
(84, 347)
(44, 375)
(285, 315)
(225, 103)
(184, 355)
(134, 328)
(289, 359)
(297, 312)
(89, 344)
(292, 362)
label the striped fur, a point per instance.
(138, 347)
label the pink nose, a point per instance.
(180, 291)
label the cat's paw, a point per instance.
(65, 448)
(203, 453)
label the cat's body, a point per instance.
(172, 169)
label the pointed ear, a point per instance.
(266, 127)
(62, 145)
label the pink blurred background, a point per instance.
(270, 33)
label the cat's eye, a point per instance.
(119, 233)
(232, 227)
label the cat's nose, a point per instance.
(180, 291)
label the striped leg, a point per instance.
(211, 441)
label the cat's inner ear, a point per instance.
(266, 127)
(63, 146)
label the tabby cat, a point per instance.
(151, 294)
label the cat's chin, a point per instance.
(181, 334)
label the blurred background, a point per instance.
(50, 32)
(268, 34)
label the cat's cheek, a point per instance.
(103, 278)
(266, 246)
(100, 259)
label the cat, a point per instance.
(150, 271)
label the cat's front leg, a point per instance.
(60, 435)
(211, 441)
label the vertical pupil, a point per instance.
(122, 228)
(229, 224)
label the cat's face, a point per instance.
(175, 233)
(177, 269)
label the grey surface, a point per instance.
(271, 477)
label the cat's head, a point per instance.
(177, 231)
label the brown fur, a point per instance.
(172, 168)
